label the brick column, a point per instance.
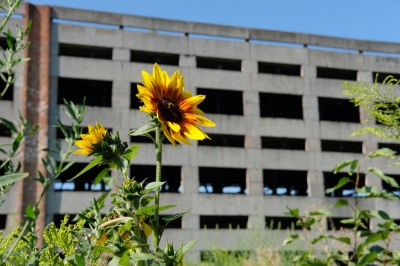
(35, 104)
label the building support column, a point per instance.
(35, 106)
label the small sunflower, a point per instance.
(175, 108)
(90, 140)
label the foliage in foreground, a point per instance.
(359, 243)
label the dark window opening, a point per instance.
(348, 190)
(135, 101)
(97, 92)
(142, 139)
(334, 223)
(338, 110)
(281, 105)
(4, 44)
(223, 221)
(341, 146)
(380, 76)
(279, 69)
(222, 180)
(3, 221)
(85, 182)
(336, 73)
(9, 95)
(175, 224)
(218, 63)
(154, 57)
(85, 51)
(4, 131)
(393, 146)
(281, 223)
(170, 174)
(213, 257)
(389, 188)
(225, 102)
(58, 218)
(285, 182)
(223, 140)
(283, 143)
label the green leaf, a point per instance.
(341, 202)
(170, 218)
(344, 164)
(79, 260)
(151, 186)
(389, 180)
(126, 227)
(321, 212)
(8, 124)
(289, 239)
(100, 176)
(293, 212)
(68, 165)
(368, 257)
(124, 261)
(380, 215)
(17, 141)
(104, 249)
(317, 239)
(384, 152)
(142, 256)
(343, 181)
(342, 239)
(131, 152)
(147, 210)
(146, 200)
(188, 246)
(347, 221)
(11, 178)
(373, 238)
(30, 212)
(165, 207)
(92, 164)
(143, 130)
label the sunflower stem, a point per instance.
(158, 179)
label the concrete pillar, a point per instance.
(254, 182)
(35, 105)
(316, 188)
(121, 55)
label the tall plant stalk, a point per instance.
(159, 140)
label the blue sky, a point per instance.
(376, 20)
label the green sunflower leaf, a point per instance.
(143, 130)
(92, 164)
(11, 178)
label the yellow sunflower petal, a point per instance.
(167, 134)
(197, 111)
(81, 152)
(201, 120)
(180, 138)
(174, 126)
(148, 82)
(83, 144)
(192, 102)
(193, 132)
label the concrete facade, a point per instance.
(294, 65)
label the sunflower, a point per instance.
(176, 109)
(90, 140)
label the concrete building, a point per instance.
(276, 97)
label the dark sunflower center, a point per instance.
(170, 110)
